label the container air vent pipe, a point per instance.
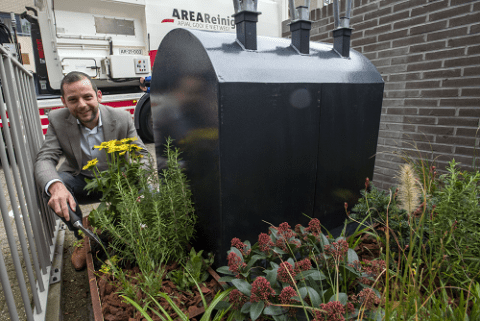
(342, 30)
(246, 17)
(300, 26)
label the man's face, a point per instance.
(82, 101)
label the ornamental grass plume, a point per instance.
(409, 190)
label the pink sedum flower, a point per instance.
(337, 250)
(286, 274)
(265, 243)
(374, 268)
(367, 298)
(237, 299)
(287, 294)
(242, 247)
(303, 265)
(334, 311)
(285, 233)
(284, 227)
(314, 227)
(350, 308)
(235, 263)
(261, 290)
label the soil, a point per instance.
(115, 309)
(369, 247)
(76, 300)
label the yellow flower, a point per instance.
(91, 163)
(102, 145)
(127, 140)
(112, 143)
(121, 146)
(113, 149)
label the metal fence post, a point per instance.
(20, 140)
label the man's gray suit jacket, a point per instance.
(63, 138)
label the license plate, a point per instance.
(125, 51)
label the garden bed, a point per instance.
(109, 306)
(417, 256)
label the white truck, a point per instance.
(115, 42)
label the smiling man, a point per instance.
(73, 132)
(82, 100)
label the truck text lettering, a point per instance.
(202, 17)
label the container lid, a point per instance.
(274, 61)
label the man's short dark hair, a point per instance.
(75, 76)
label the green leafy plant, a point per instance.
(373, 207)
(106, 268)
(455, 222)
(302, 271)
(79, 243)
(149, 219)
(193, 272)
(418, 284)
(164, 315)
(124, 167)
(373, 204)
(154, 218)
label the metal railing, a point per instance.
(36, 227)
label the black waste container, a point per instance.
(267, 135)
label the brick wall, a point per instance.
(428, 52)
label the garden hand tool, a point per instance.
(77, 222)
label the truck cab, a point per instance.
(107, 40)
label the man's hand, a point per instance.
(60, 200)
(142, 84)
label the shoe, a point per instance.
(79, 256)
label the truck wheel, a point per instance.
(143, 113)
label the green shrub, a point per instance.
(373, 207)
(455, 222)
(301, 272)
(150, 218)
(193, 272)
